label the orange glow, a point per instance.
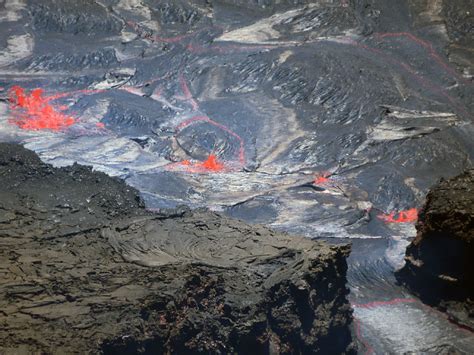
(321, 179)
(407, 216)
(34, 112)
(205, 119)
(211, 164)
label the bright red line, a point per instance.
(420, 79)
(72, 93)
(357, 325)
(427, 46)
(206, 119)
(187, 93)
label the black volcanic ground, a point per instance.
(323, 115)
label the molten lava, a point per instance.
(321, 179)
(34, 112)
(407, 216)
(211, 164)
(206, 119)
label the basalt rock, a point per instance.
(85, 268)
(439, 261)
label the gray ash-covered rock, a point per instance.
(86, 17)
(85, 268)
(460, 30)
(455, 18)
(439, 261)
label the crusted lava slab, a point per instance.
(439, 261)
(85, 268)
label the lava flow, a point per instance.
(34, 112)
(407, 216)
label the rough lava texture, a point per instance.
(327, 118)
(439, 261)
(86, 269)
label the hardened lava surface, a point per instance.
(326, 118)
(86, 269)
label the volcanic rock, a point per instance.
(439, 261)
(85, 268)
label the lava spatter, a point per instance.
(211, 165)
(321, 179)
(407, 216)
(35, 112)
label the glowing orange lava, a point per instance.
(205, 119)
(211, 164)
(321, 179)
(34, 112)
(407, 216)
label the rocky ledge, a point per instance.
(439, 262)
(86, 269)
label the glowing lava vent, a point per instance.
(407, 216)
(211, 164)
(34, 112)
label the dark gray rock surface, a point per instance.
(439, 261)
(85, 268)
